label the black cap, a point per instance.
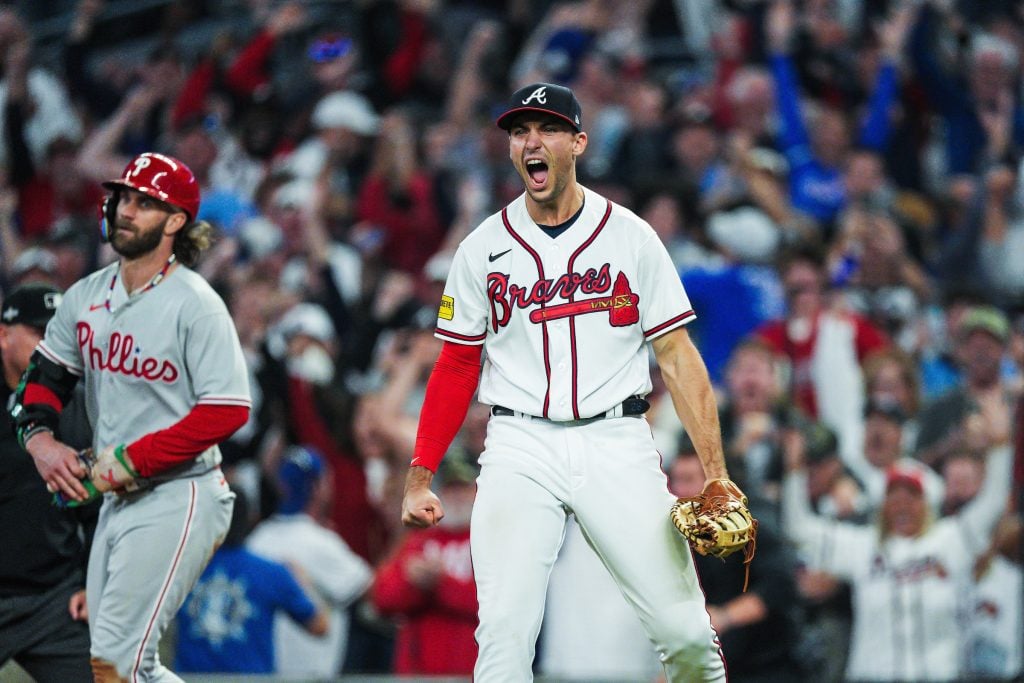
(30, 304)
(889, 409)
(821, 443)
(548, 98)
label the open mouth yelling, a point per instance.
(537, 170)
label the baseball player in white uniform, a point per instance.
(564, 289)
(165, 383)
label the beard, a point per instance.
(133, 244)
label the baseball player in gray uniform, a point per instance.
(565, 289)
(165, 382)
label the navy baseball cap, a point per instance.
(297, 474)
(30, 304)
(547, 98)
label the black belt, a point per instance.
(631, 407)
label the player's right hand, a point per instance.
(421, 508)
(58, 465)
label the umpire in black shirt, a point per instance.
(43, 549)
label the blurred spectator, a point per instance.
(870, 264)
(674, 221)
(891, 377)
(106, 151)
(996, 607)
(343, 122)
(298, 380)
(963, 475)
(73, 240)
(963, 97)
(825, 601)
(397, 197)
(746, 239)
(696, 160)
(824, 346)
(753, 414)
(98, 100)
(883, 448)
(227, 623)
(1002, 229)
(975, 415)
(939, 367)
(333, 573)
(642, 154)
(402, 48)
(35, 264)
(816, 153)
(749, 104)
(833, 490)
(755, 626)
(50, 115)
(978, 246)
(427, 584)
(52, 189)
(906, 563)
(224, 205)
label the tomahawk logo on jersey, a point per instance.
(602, 279)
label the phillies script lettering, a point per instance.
(504, 294)
(120, 356)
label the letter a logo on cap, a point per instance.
(540, 94)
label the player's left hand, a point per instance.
(111, 470)
(717, 522)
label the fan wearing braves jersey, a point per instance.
(165, 382)
(564, 289)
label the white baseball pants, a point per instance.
(608, 473)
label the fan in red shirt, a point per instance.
(798, 336)
(427, 584)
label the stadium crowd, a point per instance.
(838, 182)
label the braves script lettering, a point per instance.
(503, 294)
(120, 356)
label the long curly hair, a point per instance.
(191, 241)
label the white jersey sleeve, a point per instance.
(660, 287)
(464, 311)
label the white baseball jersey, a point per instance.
(564, 320)
(149, 358)
(907, 592)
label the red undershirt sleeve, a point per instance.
(206, 425)
(449, 391)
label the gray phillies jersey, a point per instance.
(149, 358)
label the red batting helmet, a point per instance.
(161, 177)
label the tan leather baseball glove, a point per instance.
(717, 522)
